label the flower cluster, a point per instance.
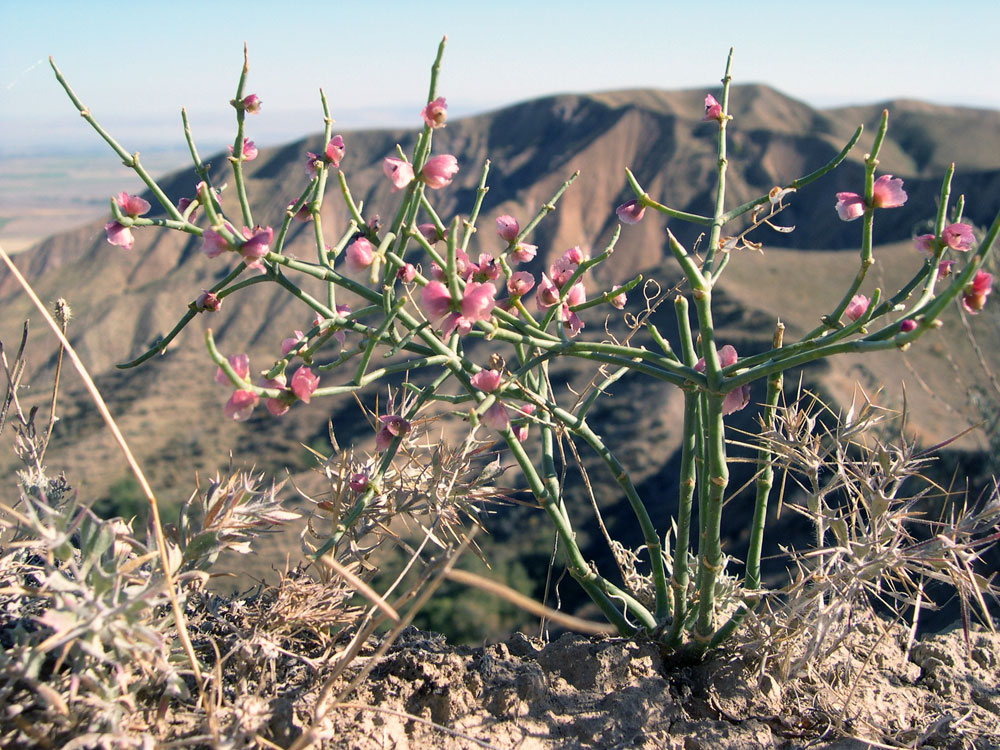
(332, 155)
(476, 304)
(436, 174)
(554, 289)
(435, 113)
(887, 192)
(256, 244)
(249, 150)
(734, 400)
(974, 295)
(241, 403)
(957, 237)
(132, 206)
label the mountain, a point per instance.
(171, 410)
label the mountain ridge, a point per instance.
(124, 300)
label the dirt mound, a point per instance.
(581, 692)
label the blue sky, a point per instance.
(136, 64)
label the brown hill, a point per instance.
(172, 411)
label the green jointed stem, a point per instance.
(549, 207)
(690, 450)
(200, 168)
(600, 388)
(765, 472)
(470, 223)
(237, 157)
(939, 221)
(605, 298)
(672, 213)
(352, 207)
(375, 339)
(577, 564)
(685, 501)
(867, 260)
(279, 237)
(798, 183)
(129, 160)
(650, 537)
(720, 185)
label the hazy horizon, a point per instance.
(375, 72)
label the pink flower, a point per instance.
(207, 301)
(477, 304)
(251, 104)
(435, 299)
(631, 212)
(183, 204)
(393, 426)
(304, 384)
(257, 245)
(974, 295)
(888, 192)
(131, 205)
(276, 406)
(407, 273)
(524, 253)
(359, 255)
(335, 149)
(358, 482)
(497, 417)
(521, 430)
(294, 343)
(118, 235)
(565, 266)
(241, 366)
(619, 301)
(926, 244)
(399, 172)
(213, 244)
(944, 268)
(435, 113)
(488, 268)
(313, 164)
(734, 400)
(439, 171)
(520, 283)
(249, 150)
(547, 293)
(850, 206)
(240, 405)
(574, 255)
(856, 307)
(907, 325)
(304, 213)
(713, 110)
(958, 237)
(576, 295)
(486, 380)
(430, 233)
(464, 267)
(281, 404)
(507, 228)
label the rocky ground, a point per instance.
(583, 692)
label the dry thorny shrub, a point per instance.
(88, 639)
(877, 546)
